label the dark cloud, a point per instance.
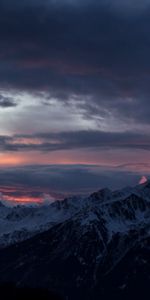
(75, 140)
(6, 102)
(86, 49)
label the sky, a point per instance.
(74, 96)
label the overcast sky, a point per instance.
(75, 90)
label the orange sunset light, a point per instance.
(23, 199)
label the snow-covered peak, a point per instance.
(143, 180)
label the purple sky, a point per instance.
(74, 94)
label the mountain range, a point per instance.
(92, 247)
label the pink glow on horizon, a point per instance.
(122, 160)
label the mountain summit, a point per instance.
(143, 180)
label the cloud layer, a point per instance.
(86, 50)
(60, 180)
(75, 84)
(75, 140)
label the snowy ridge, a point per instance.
(119, 211)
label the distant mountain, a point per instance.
(86, 248)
